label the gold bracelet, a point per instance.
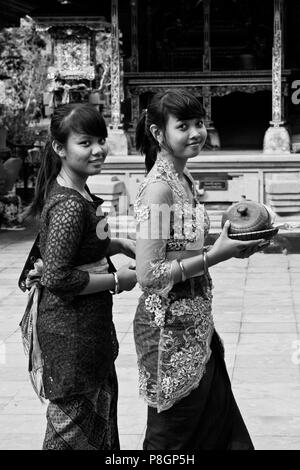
(205, 266)
(183, 273)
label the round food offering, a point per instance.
(249, 220)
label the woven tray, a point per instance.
(266, 234)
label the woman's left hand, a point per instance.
(122, 245)
(127, 247)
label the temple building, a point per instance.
(222, 50)
(241, 58)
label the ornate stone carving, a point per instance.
(206, 48)
(198, 90)
(72, 59)
(115, 68)
(78, 45)
(276, 67)
(277, 139)
(227, 89)
(103, 59)
(117, 141)
(135, 110)
(206, 93)
(134, 36)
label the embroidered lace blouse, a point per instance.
(173, 324)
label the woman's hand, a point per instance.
(127, 247)
(122, 245)
(35, 274)
(127, 277)
(225, 248)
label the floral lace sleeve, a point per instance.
(152, 213)
(66, 225)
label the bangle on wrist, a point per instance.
(183, 273)
(205, 265)
(117, 284)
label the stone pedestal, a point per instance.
(283, 195)
(117, 142)
(110, 189)
(213, 138)
(276, 140)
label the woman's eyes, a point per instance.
(184, 126)
(87, 143)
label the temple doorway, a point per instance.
(242, 119)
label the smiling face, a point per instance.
(83, 154)
(186, 137)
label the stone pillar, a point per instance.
(150, 39)
(206, 38)
(134, 36)
(213, 138)
(135, 109)
(117, 140)
(134, 67)
(277, 139)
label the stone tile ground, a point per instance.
(257, 313)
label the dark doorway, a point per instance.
(242, 119)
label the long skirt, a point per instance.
(85, 422)
(207, 419)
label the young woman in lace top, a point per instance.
(74, 326)
(182, 373)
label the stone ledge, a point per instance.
(283, 188)
(286, 241)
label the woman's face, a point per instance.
(185, 137)
(84, 154)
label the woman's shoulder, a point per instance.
(63, 193)
(155, 190)
(63, 199)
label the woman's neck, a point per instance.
(178, 163)
(72, 180)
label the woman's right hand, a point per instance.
(127, 277)
(35, 274)
(225, 248)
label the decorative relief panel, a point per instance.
(72, 58)
(133, 90)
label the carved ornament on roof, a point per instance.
(67, 31)
(198, 89)
(94, 23)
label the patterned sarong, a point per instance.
(85, 422)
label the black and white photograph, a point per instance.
(150, 227)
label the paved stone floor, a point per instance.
(257, 313)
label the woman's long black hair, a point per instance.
(81, 118)
(177, 102)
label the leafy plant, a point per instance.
(23, 64)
